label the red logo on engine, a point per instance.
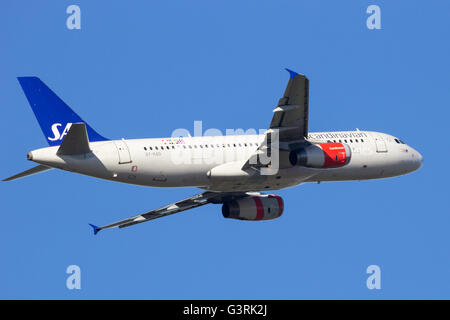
(335, 154)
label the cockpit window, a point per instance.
(399, 141)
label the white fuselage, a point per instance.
(214, 163)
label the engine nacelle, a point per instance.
(263, 207)
(322, 155)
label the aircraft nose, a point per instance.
(417, 159)
(420, 159)
(30, 155)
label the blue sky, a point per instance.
(144, 68)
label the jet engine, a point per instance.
(261, 207)
(322, 155)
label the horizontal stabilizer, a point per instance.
(28, 172)
(76, 141)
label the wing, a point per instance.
(289, 125)
(186, 204)
(291, 114)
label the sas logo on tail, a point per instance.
(56, 134)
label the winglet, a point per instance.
(96, 229)
(291, 73)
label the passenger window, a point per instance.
(345, 140)
(150, 148)
(362, 140)
(145, 148)
(167, 147)
(356, 140)
(156, 148)
(340, 140)
(351, 141)
(173, 147)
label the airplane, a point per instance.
(232, 170)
